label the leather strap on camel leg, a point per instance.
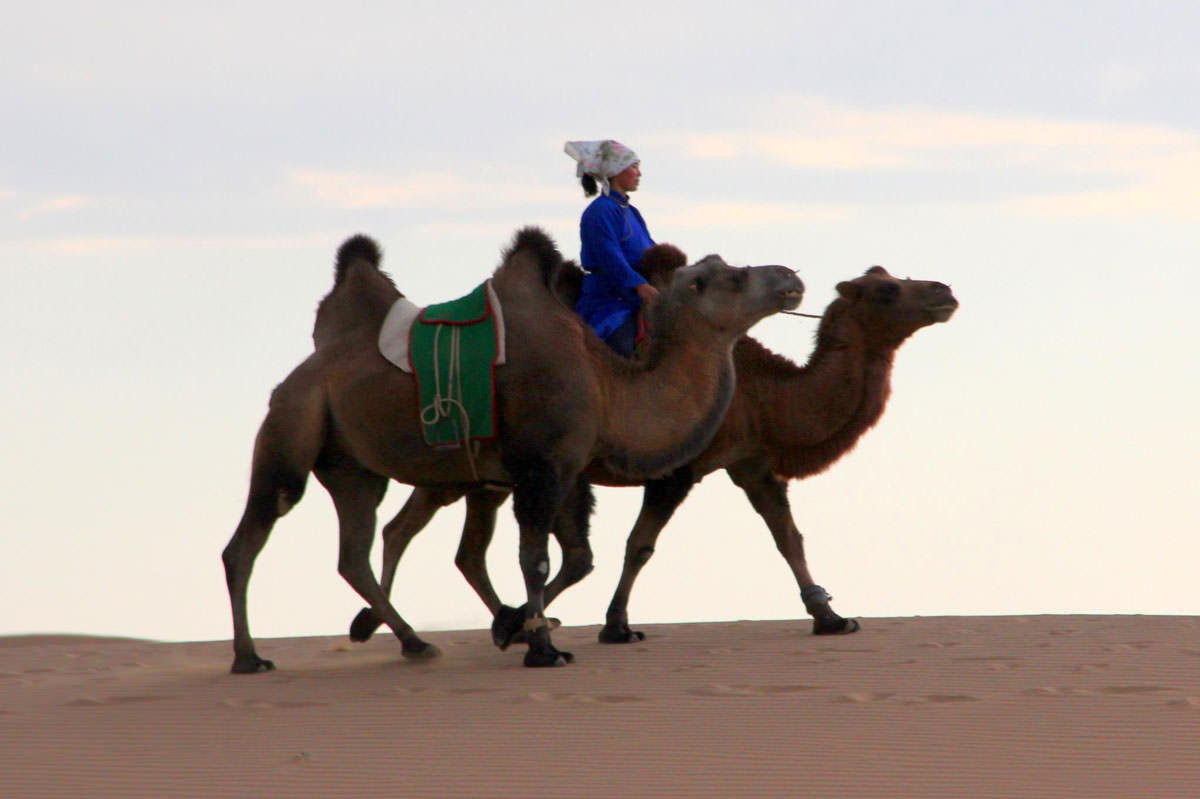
(535, 624)
(814, 595)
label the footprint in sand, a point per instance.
(996, 663)
(865, 697)
(260, 704)
(835, 649)
(1050, 690)
(720, 689)
(95, 701)
(1186, 702)
(862, 697)
(1132, 646)
(1086, 667)
(541, 697)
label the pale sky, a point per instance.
(175, 179)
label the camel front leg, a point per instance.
(768, 494)
(422, 505)
(659, 501)
(571, 529)
(537, 494)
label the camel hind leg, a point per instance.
(284, 452)
(356, 493)
(768, 494)
(422, 505)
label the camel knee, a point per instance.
(577, 564)
(640, 557)
(791, 546)
(535, 566)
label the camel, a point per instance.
(786, 422)
(563, 401)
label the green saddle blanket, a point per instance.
(453, 350)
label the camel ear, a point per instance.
(849, 291)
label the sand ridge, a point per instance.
(1062, 706)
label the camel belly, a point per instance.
(375, 420)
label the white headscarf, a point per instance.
(601, 159)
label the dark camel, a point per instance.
(785, 422)
(563, 401)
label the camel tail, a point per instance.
(535, 242)
(356, 248)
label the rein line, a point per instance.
(809, 315)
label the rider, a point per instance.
(612, 237)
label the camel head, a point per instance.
(728, 300)
(890, 310)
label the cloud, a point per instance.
(357, 190)
(1144, 169)
(66, 202)
(97, 245)
(707, 215)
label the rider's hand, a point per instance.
(646, 293)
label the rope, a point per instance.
(442, 407)
(809, 315)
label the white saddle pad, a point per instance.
(394, 334)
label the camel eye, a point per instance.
(887, 293)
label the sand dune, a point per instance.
(1054, 706)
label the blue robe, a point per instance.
(613, 236)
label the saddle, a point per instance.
(451, 349)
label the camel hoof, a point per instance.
(251, 665)
(620, 635)
(364, 625)
(420, 650)
(835, 625)
(549, 659)
(506, 625)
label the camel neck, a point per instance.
(816, 413)
(695, 380)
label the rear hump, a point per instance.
(536, 242)
(356, 248)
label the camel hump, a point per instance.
(355, 248)
(535, 242)
(660, 262)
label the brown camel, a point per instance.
(563, 401)
(785, 422)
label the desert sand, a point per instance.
(1018, 706)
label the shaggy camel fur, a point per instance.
(563, 401)
(785, 422)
